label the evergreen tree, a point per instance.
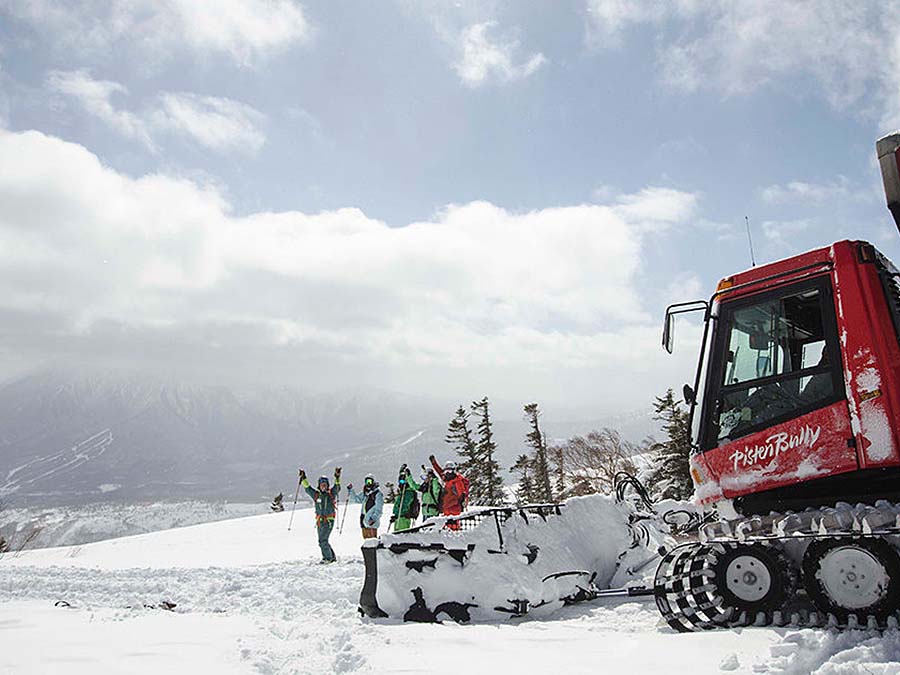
(491, 482)
(525, 489)
(459, 437)
(670, 477)
(540, 466)
(277, 505)
(559, 471)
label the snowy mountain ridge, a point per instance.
(69, 437)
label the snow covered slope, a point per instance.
(73, 525)
(251, 598)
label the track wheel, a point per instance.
(853, 576)
(751, 578)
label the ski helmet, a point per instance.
(450, 466)
(322, 479)
(369, 483)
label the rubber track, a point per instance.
(684, 586)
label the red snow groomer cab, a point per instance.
(796, 442)
(802, 390)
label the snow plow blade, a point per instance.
(503, 563)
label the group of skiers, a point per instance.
(443, 491)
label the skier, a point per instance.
(456, 490)
(406, 505)
(373, 504)
(431, 490)
(325, 498)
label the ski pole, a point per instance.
(344, 517)
(294, 507)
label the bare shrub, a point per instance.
(590, 463)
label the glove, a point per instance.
(393, 518)
(406, 471)
(301, 473)
(349, 487)
(337, 472)
(430, 458)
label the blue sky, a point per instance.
(447, 198)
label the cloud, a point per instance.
(657, 207)
(246, 31)
(779, 232)
(95, 96)
(4, 97)
(111, 264)
(482, 59)
(805, 192)
(608, 19)
(851, 50)
(219, 124)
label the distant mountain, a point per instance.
(67, 437)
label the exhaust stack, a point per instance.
(888, 149)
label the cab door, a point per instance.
(777, 412)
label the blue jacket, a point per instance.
(325, 500)
(373, 505)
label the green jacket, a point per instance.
(403, 507)
(325, 500)
(430, 489)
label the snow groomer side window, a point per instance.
(777, 359)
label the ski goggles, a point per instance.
(370, 481)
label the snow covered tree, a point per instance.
(525, 489)
(670, 477)
(536, 440)
(491, 482)
(277, 505)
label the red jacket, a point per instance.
(456, 492)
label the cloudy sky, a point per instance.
(453, 198)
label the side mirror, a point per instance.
(668, 338)
(688, 394)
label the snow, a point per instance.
(588, 535)
(879, 432)
(83, 524)
(251, 598)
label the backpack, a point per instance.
(415, 507)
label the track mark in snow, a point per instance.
(289, 590)
(306, 612)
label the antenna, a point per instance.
(750, 241)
